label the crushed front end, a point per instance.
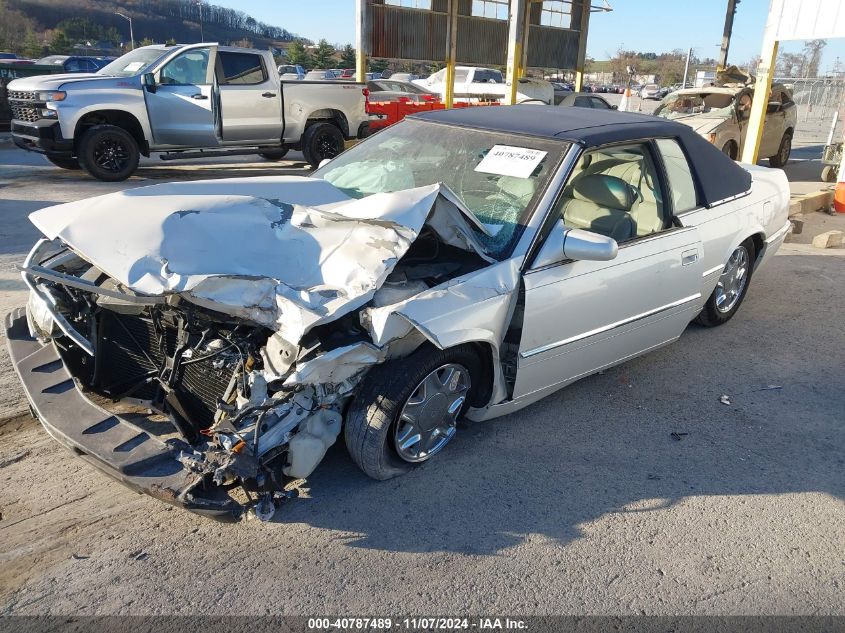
(171, 399)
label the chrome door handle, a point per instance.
(689, 257)
(268, 95)
(199, 97)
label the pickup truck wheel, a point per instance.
(108, 153)
(321, 141)
(731, 288)
(780, 159)
(274, 155)
(64, 163)
(406, 410)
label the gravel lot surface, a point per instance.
(584, 503)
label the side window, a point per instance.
(240, 68)
(189, 68)
(615, 192)
(73, 66)
(681, 184)
(599, 104)
(583, 102)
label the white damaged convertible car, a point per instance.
(206, 342)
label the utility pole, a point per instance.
(686, 66)
(202, 35)
(726, 34)
(131, 33)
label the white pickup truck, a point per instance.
(186, 101)
(488, 84)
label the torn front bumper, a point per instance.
(119, 448)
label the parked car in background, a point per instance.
(291, 71)
(487, 84)
(347, 73)
(76, 63)
(720, 115)
(392, 90)
(404, 77)
(561, 91)
(650, 91)
(199, 339)
(371, 76)
(586, 100)
(5, 56)
(186, 101)
(320, 75)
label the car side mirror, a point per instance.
(614, 107)
(565, 243)
(149, 82)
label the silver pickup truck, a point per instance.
(186, 101)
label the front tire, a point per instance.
(784, 150)
(108, 153)
(406, 410)
(275, 155)
(321, 141)
(64, 163)
(731, 288)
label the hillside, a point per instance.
(157, 20)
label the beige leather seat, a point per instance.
(647, 216)
(602, 204)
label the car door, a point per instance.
(181, 105)
(582, 316)
(250, 99)
(774, 126)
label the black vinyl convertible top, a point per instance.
(718, 176)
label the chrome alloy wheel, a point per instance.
(732, 281)
(428, 418)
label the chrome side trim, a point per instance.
(607, 328)
(729, 199)
(780, 233)
(713, 270)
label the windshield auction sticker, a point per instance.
(505, 160)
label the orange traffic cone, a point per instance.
(839, 192)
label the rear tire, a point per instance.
(721, 306)
(275, 155)
(829, 173)
(729, 149)
(108, 153)
(371, 422)
(321, 141)
(784, 150)
(64, 163)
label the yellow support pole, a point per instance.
(765, 73)
(451, 51)
(516, 39)
(582, 45)
(361, 40)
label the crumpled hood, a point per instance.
(285, 252)
(702, 125)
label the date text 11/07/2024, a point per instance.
(416, 624)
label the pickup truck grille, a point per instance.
(24, 113)
(21, 96)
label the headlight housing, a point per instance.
(51, 95)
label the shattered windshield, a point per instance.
(498, 177)
(133, 63)
(717, 105)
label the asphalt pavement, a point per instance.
(633, 491)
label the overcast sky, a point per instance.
(645, 25)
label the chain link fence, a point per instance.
(821, 108)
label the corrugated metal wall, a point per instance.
(398, 33)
